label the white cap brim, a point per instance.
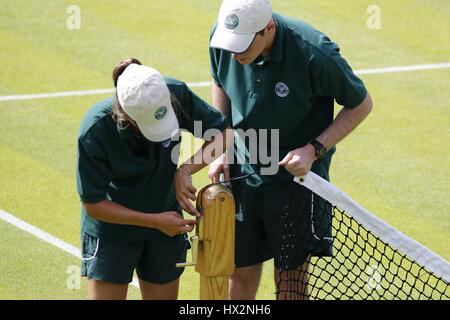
(231, 41)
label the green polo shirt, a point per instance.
(292, 90)
(124, 167)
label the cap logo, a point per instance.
(231, 21)
(160, 112)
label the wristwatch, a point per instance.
(319, 147)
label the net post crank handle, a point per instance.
(194, 242)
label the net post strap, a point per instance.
(397, 240)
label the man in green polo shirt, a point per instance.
(129, 184)
(279, 74)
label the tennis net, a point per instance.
(369, 259)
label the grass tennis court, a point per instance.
(396, 164)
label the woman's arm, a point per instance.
(170, 222)
(209, 151)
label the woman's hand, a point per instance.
(217, 167)
(172, 223)
(184, 190)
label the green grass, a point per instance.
(395, 164)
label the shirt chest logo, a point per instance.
(166, 143)
(281, 89)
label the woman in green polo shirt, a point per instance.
(131, 190)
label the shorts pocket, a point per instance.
(320, 217)
(90, 247)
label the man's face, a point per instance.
(256, 48)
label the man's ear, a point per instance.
(270, 26)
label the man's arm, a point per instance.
(299, 161)
(220, 100)
(346, 121)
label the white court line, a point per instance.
(420, 67)
(80, 93)
(67, 247)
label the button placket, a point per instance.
(258, 79)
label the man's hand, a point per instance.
(185, 190)
(299, 161)
(172, 223)
(217, 167)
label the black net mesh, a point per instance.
(338, 258)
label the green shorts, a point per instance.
(115, 261)
(286, 222)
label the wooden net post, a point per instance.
(214, 257)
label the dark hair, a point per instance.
(118, 114)
(261, 33)
(120, 68)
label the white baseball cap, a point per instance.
(238, 23)
(144, 96)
